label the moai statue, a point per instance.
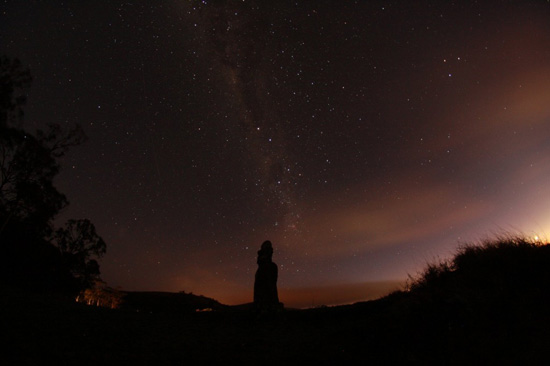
(266, 297)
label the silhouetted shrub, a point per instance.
(507, 271)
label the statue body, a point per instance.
(266, 297)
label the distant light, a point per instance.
(203, 310)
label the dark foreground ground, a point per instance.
(44, 329)
(490, 305)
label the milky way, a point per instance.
(362, 138)
(244, 41)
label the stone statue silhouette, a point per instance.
(266, 297)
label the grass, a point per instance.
(505, 270)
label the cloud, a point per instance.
(307, 297)
(369, 221)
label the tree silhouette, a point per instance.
(14, 79)
(29, 201)
(80, 245)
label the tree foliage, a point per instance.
(29, 201)
(28, 165)
(80, 247)
(14, 80)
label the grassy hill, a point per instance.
(487, 305)
(167, 302)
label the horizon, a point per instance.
(306, 297)
(363, 139)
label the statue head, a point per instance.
(266, 252)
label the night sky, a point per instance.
(363, 138)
